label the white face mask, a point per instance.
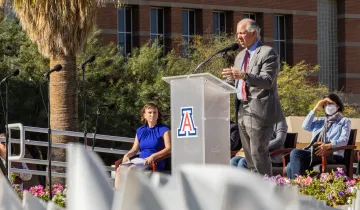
(330, 109)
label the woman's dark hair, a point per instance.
(335, 98)
(150, 106)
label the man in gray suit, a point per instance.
(257, 103)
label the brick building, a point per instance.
(320, 32)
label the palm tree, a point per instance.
(60, 29)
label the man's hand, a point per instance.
(322, 148)
(231, 73)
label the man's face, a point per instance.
(246, 39)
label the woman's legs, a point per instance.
(239, 162)
(117, 175)
(299, 162)
(235, 160)
(242, 163)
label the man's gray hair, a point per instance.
(253, 26)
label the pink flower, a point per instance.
(308, 180)
(324, 177)
(351, 182)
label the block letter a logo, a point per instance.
(187, 127)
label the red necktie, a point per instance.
(245, 64)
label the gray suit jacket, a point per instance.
(261, 85)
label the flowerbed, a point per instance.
(58, 193)
(334, 188)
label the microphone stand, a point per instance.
(96, 123)
(49, 139)
(8, 147)
(217, 55)
(7, 129)
(84, 105)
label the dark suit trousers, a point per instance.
(255, 140)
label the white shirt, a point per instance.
(251, 51)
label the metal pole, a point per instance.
(7, 130)
(96, 122)
(84, 105)
(49, 141)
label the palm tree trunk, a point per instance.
(63, 106)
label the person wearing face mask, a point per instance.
(328, 132)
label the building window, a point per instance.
(280, 36)
(157, 26)
(125, 29)
(219, 23)
(250, 15)
(188, 29)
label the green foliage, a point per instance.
(133, 83)
(297, 94)
(17, 52)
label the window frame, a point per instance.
(125, 32)
(189, 36)
(158, 35)
(219, 22)
(249, 14)
(277, 40)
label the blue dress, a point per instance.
(151, 141)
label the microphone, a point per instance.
(14, 74)
(232, 47)
(57, 67)
(89, 60)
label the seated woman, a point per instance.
(328, 132)
(151, 139)
(277, 142)
(19, 178)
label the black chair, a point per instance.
(289, 144)
(346, 165)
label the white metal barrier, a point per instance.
(22, 141)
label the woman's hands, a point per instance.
(125, 159)
(149, 159)
(320, 105)
(322, 148)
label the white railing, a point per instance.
(22, 141)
